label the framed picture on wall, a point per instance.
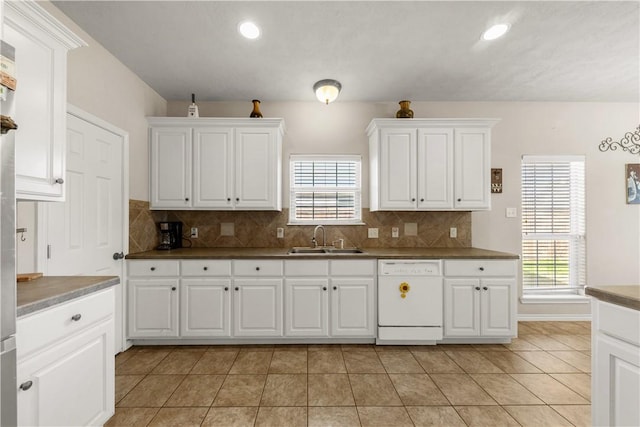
(632, 184)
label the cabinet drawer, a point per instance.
(306, 268)
(154, 268)
(353, 268)
(257, 267)
(204, 267)
(53, 324)
(620, 322)
(479, 268)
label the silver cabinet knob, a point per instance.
(26, 385)
(59, 181)
(76, 317)
(484, 288)
(481, 268)
(477, 288)
(118, 255)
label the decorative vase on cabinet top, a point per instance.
(405, 112)
(256, 109)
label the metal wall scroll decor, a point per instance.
(630, 142)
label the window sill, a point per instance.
(555, 299)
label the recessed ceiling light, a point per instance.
(249, 30)
(496, 31)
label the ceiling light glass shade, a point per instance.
(496, 31)
(327, 90)
(249, 30)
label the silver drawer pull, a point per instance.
(26, 385)
(76, 317)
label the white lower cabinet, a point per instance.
(69, 379)
(306, 307)
(205, 306)
(615, 378)
(480, 299)
(352, 307)
(257, 308)
(153, 308)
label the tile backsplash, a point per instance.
(258, 229)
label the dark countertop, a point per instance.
(626, 296)
(48, 291)
(281, 253)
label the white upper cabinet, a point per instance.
(41, 44)
(216, 163)
(430, 164)
(171, 171)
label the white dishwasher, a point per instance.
(409, 301)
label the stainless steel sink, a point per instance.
(344, 251)
(324, 251)
(306, 251)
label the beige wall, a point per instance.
(613, 227)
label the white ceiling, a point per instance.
(378, 50)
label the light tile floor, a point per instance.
(543, 378)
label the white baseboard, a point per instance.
(554, 317)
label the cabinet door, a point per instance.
(472, 169)
(72, 383)
(41, 46)
(497, 307)
(170, 167)
(257, 307)
(616, 382)
(213, 168)
(306, 308)
(435, 169)
(398, 176)
(352, 307)
(461, 307)
(257, 169)
(153, 308)
(205, 307)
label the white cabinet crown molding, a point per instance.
(376, 124)
(39, 17)
(218, 121)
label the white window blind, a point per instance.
(325, 189)
(553, 223)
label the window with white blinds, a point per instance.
(325, 189)
(553, 223)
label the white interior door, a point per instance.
(83, 233)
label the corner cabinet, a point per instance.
(430, 164)
(41, 44)
(216, 163)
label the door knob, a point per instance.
(118, 255)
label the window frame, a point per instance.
(576, 237)
(357, 190)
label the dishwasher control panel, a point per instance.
(410, 268)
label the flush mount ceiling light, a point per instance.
(249, 30)
(495, 32)
(327, 90)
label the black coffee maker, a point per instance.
(170, 235)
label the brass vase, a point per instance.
(405, 112)
(256, 109)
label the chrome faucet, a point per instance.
(324, 237)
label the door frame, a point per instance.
(41, 212)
